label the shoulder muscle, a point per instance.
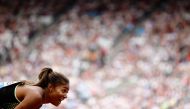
(32, 99)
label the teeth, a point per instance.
(59, 102)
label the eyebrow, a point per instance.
(66, 88)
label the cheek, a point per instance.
(54, 94)
(58, 94)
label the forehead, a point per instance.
(66, 86)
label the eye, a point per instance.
(65, 90)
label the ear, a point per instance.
(50, 87)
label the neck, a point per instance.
(45, 96)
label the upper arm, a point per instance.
(30, 101)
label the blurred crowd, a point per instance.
(148, 69)
(20, 22)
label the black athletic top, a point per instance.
(8, 99)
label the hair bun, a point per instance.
(45, 72)
(48, 70)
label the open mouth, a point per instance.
(59, 100)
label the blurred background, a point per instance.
(118, 54)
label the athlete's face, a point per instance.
(58, 93)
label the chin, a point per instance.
(56, 103)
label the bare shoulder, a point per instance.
(30, 97)
(34, 92)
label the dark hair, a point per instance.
(48, 76)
